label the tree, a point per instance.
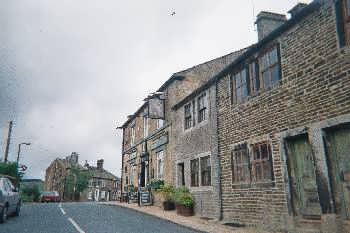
(76, 181)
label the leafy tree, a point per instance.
(76, 181)
(9, 169)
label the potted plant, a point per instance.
(156, 184)
(184, 202)
(168, 191)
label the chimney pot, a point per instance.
(267, 22)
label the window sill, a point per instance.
(267, 184)
(196, 126)
(202, 189)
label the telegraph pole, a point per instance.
(8, 141)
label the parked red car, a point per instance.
(50, 196)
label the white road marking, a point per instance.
(76, 226)
(62, 210)
(60, 205)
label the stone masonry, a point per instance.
(312, 96)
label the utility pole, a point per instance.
(8, 142)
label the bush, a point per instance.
(168, 191)
(30, 193)
(182, 196)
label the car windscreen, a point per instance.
(48, 193)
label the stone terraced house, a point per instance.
(264, 140)
(150, 145)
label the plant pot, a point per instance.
(168, 205)
(184, 210)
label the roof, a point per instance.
(204, 70)
(253, 49)
(103, 174)
(31, 180)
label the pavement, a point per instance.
(194, 222)
(86, 218)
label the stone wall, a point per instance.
(196, 142)
(314, 88)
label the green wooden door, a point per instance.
(305, 200)
(338, 148)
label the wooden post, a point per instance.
(8, 141)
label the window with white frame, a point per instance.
(160, 164)
(202, 107)
(145, 126)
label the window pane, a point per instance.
(264, 151)
(266, 78)
(245, 90)
(256, 153)
(348, 7)
(205, 171)
(267, 170)
(238, 80)
(194, 172)
(258, 172)
(239, 94)
(264, 62)
(273, 56)
(244, 76)
(255, 77)
(275, 71)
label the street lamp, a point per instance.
(19, 149)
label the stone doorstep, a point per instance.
(194, 223)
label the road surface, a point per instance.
(85, 218)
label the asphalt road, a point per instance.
(85, 218)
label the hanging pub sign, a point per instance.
(156, 107)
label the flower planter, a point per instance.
(168, 205)
(184, 210)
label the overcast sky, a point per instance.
(72, 70)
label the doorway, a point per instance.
(337, 143)
(302, 178)
(181, 174)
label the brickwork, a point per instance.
(314, 88)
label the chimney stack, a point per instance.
(296, 9)
(100, 164)
(267, 22)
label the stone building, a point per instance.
(56, 173)
(103, 185)
(283, 118)
(149, 144)
(61, 177)
(282, 121)
(194, 141)
(137, 161)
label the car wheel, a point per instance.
(18, 209)
(3, 215)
